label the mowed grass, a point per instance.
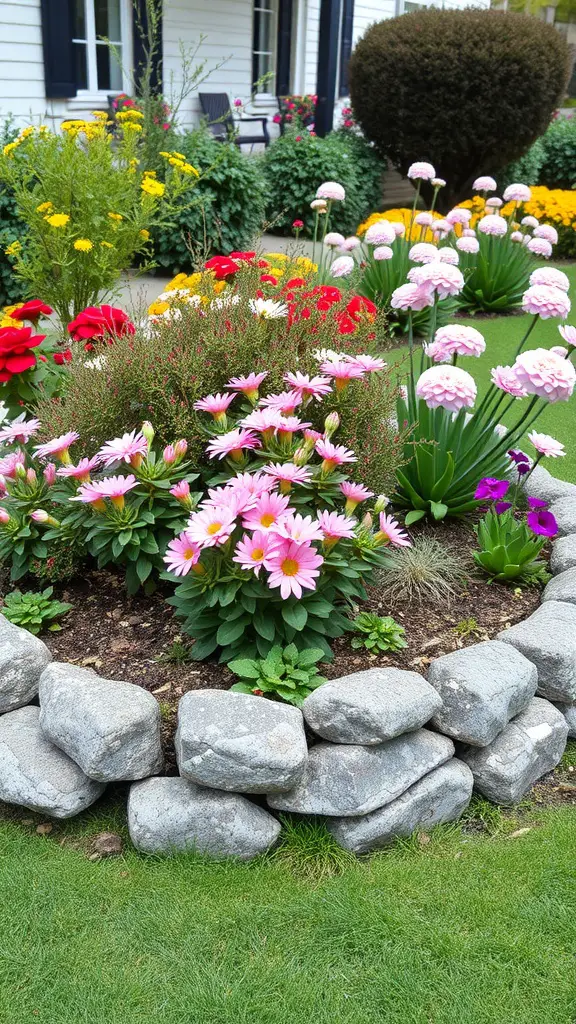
(503, 335)
(462, 930)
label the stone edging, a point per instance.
(375, 772)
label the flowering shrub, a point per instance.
(296, 111)
(275, 553)
(240, 315)
(120, 519)
(86, 206)
(28, 360)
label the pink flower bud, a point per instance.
(148, 431)
(31, 477)
(331, 423)
(301, 456)
(3, 488)
(181, 447)
(181, 491)
(20, 471)
(50, 473)
(169, 455)
(4, 517)
(39, 516)
(381, 503)
(367, 521)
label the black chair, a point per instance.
(216, 107)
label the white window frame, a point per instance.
(92, 95)
(272, 12)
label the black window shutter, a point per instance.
(346, 45)
(57, 27)
(284, 51)
(140, 29)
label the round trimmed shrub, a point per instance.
(526, 169)
(559, 166)
(227, 208)
(468, 90)
(297, 162)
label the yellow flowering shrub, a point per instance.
(401, 215)
(87, 209)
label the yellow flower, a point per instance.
(10, 147)
(83, 244)
(44, 207)
(27, 132)
(100, 115)
(176, 161)
(275, 271)
(7, 321)
(218, 287)
(134, 163)
(152, 187)
(176, 282)
(179, 156)
(188, 169)
(10, 309)
(306, 265)
(150, 174)
(278, 257)
(144, 234)
(13, 248)
(131, 126)
(128, 115)
(193, 281)
(107, 245)
(164, 154)
(157, 308)
(58, 220)
(115, 216)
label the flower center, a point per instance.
(189, 553)
(257, 554)
(213, 528)
(267, 519)
(289, 567)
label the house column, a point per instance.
(329, 35)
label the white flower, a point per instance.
(421, 171)
(342, 266)
(331, 190)
(484, 184)
(517, 193)
(380, 233)
(383, 252)
(267, 309)
(334, 238)
(318, 204)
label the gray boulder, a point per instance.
(542, 484)
(482, 687)
(530, 745)
(564, 511)
(563, 555)
(569, 712)
(440, 796)
(240, 743)
(111, 729)
(548, 639)
(370, 707)
(36, 774)
(562, 587)
(166, 815)
(342, 780)
(23, 658)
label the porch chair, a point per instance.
(216, 107)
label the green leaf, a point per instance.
(295, 615)
(310, 657)
(143, 568)
(245, 667)
(264, 626)
(438, 509)
(291, 654)
(414, 516)
(230, 631)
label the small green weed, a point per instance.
(34, 611)
(308, 850)
(178, 654)
(466, 628)
(286, 673)
(378, 633)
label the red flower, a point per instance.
(358, 307)
(294, 282)
(63, 357)
(100, 322)
(222, 267)
(346, 325)
(298, 225)
(268, 279)
(32, 310)
(244, 257)
(15, 357)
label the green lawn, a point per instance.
(459, 931)
(503, 335)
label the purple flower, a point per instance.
(502, 506)
(521, 461)
(542, 522)
(535, 503)
(490, 489)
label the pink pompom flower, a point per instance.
(252, 551)
(539, 247)
(248, 385)
(446, 254)
(516, 236)
(423, 252)
(380, 233)
(233, 443)
(129, 448)
(545, 445)
(493, 224)
(333, 455)
(468, 244)
(349, 244)
(568, 333)
(546, 301)
(442, 278)
(216, 405)
(545, 374)
(442, 227)
(342, 266)
(459, 215)
(424, 220)
(412, 296)
(270, 510)
(334, 526)
(58, 446)
(559, 350)
(550, 276)
(517, 193)
(493, 204)
(181, 554)
(212, 526)
(331, 190)
(333, 239)
(447, 386)
(548, 232)
(421, 171)
(294, 567)
(390, 532)
(308, 387)
(460, 340)
(383, 252)
(505, 379)
(288, 474)
(354, 494)
(485, 184)
(530, 222)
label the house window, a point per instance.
(98, 67)
(264, 46)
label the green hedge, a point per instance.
(527, 168)
(11, 228)
(297, 163)
(228, 205)
(559, 166)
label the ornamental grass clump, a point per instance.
(276, 552)
(86, 207)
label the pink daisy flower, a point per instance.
(181, 554)
(504, 378)
(285, 402)
(299, 528)
(333, 454)
(343, 371)
(20, 431)
(287, 474)
(181, 491)
(354, 494)
(9, 463)
(58, 446)
(391, 533)
(248, 385)
(113, 487)
(270, 510)
(211, 527)
(129, 448)
(264, 421)
(81, 471)
(253, 551)
(334, 526)
(254, 483)
(294, 567)
(308, 387)
(369, 364)
(546, 445)
(288, 425)
(232, 444)
(216, 405)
